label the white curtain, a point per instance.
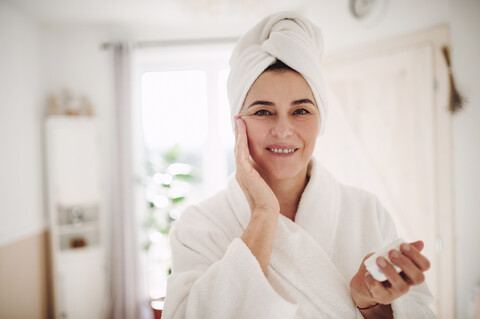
(128, 298)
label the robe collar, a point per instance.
(302, 249)
(317, 211)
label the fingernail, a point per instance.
(381, 262)
(395, 254)
(406, 247)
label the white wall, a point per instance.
(341, 30)
(21, 107)
(75, 60)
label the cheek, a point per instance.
(308, 130)
(253, 142)
(255, 133)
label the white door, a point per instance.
(382, 135)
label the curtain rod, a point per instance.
(175, 42)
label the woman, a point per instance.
(284, 239)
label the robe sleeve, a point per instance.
(415, 303)
(233, 286)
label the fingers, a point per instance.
(387, 291)
(242, 152)
(378, 291)
(412, 263)
(413, 253)
(236, 128)
(241, 147)
(366, 257)
(418, 245)
(237, 131)
(369, 281)
(398, 284)
(414, 275)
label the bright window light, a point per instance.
(174, 110)
(188, 146)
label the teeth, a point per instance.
(282, 151)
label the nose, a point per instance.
(282, 128)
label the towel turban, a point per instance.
(284, 36)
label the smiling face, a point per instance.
(282, 124)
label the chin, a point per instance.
(279, 171)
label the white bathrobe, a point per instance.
(214, 274)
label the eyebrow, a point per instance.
(303, 101)
(261, 103)
(297, 102)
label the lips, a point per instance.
(284, 150)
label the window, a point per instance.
(184, 117)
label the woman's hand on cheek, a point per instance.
(259, 195)
(366, 291)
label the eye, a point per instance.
(300, 112)
(262, 113)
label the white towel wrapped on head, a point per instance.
(285, 36)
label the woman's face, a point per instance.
(282, 123)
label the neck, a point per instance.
(288, 192)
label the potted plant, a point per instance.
(167, 183)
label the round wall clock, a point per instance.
(361, 8)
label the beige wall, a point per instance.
(24, 288)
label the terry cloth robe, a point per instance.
(215, 275)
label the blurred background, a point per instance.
(114, 118)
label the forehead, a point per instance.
(281, 85)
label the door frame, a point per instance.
(444, 226)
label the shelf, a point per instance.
(70, 214)
(76, 216)
(81, 239)
(67, 229)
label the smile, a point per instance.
(282, 150)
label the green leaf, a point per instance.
(147, 245)
(173, 154)
(185, 177)
(178, 199)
